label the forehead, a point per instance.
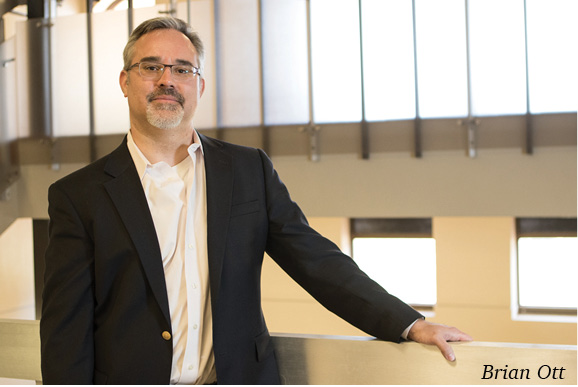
(166, 44)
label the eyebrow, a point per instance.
(158, 59)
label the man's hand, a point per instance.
(436, 334)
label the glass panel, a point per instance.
(21, 64)
(546, 272)
(285, 62)
(238, 63)
(336, 64)
(386, 259)
(497, 57)
(103, 5)
(388, 60)
(202, 20)
(109, 36)
(70, 99)
(8, 93)
(441, 58)
(552, 55)
(142, 14)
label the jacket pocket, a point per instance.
(264, 346)
(245, 208)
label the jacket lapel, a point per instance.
(219, 191)
(125, 190)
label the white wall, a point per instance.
(17, 300)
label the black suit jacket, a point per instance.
(105, 304)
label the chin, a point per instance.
(164, 121)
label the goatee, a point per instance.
(165, 115)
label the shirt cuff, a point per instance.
(406, 331)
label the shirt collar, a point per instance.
(140, 160)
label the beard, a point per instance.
(165, 115)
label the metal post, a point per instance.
(91, 125)
(265, 140)
(529, 132)
(417, 128)
(130, 15)
(471, 123)
(218, 89)
(39, 69)
(364, 126)
(311, 129)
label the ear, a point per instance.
(123, 81)
(201, 87)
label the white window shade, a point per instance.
(110, 33)
(285, 62)
(441, 58)
(388, 60)
(70, 97)
(336, 61)
(497, 57)
(552, 55)
(239, 87)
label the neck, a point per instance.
(170, 146)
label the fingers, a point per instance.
(439, 335)
(451, 334)
(464, 337)
(446, 350)
(454, 334)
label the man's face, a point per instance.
(165, 103)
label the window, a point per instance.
(387, 249)
(551, 30)
(282, 62)
(336, 69)
(547, 262)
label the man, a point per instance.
(154, 261)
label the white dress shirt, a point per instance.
(177, 201)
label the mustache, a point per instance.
(166, 91)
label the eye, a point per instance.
(152, 67)
(182, 70)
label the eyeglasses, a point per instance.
(154, 71)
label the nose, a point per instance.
(166, 78)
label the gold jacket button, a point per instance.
(166, 335)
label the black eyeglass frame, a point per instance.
(195, 70)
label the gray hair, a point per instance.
(165, 23)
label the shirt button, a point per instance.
(191, 367)
(194, 286)
(166, 335)
(190, 246)
(195, 326)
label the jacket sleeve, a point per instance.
(66, 325)
(330, 276)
